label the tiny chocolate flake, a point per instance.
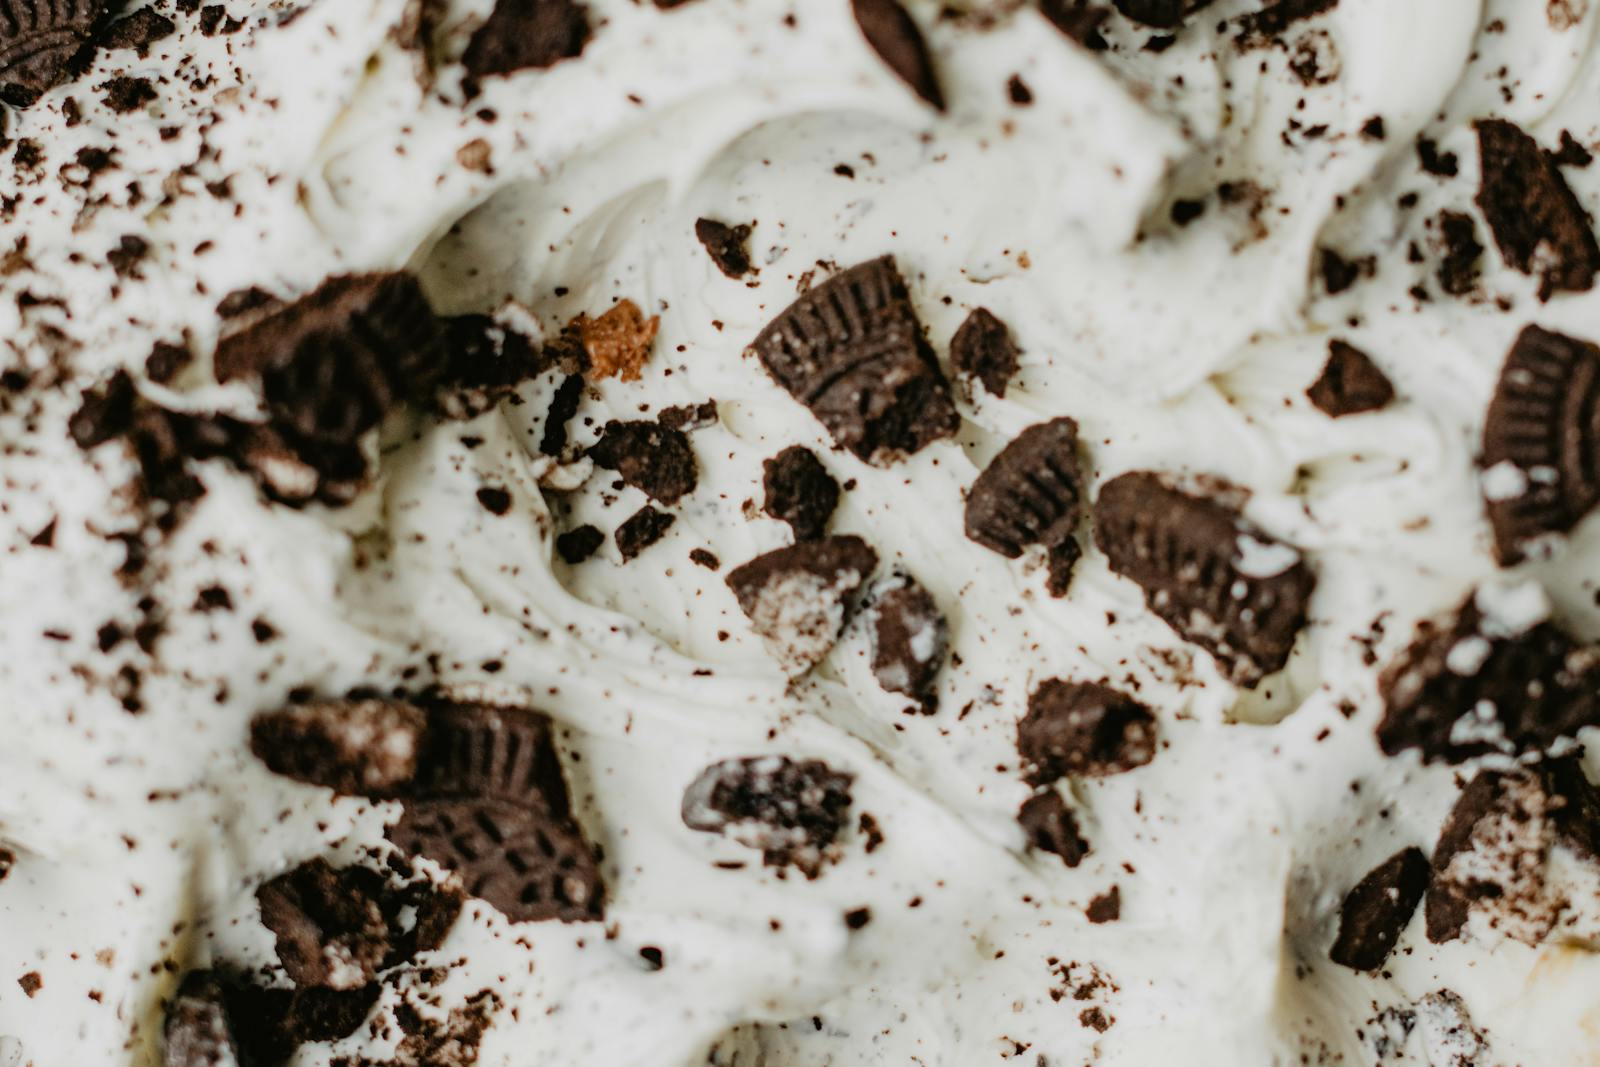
(1032, 494)
(852, 350)
(705, 558)
(1050, 826)
(1350, 383)
(527, 34)
(1537, 221)
(196, 1031)
(579, 544)
(494, 500)
(1376, 912)
(354, 747)
(725, 245)
(800, 492)
(792, 810)
(799, 598)
(982, 348)
(1105, 908)
(1217, 580)
(1339, 273)
(1079, 728)
(1542, 435)
(895, 36)
(650, 457)
(40, 43)
(643, 529)
(1458, 270)
(1572, 153)
(857, 918)
(1161, 14)
(909, 641)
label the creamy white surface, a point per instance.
(1183, 349)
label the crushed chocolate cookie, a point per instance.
(196, 1032)
(1160, 14)
(689, 417)
(124, 94)
(1458, 269)
(1439, 164)
(1050, 826)
(525, 35)
(982, 349)
(1541, 442)
(1572, 153)
(792, 810)
(1032, 494)
(1083, 729)
(1537, 221)
(563, 406)
(329, 924)
(354, 747)
(705, 558)
(1376, 912)
(895, 36)
(799, 598)
(650, 457)
(852, 350)
(1105, 908)
(1339, 273)
(138, 31)
(618, 343)
(1216, 579)
(725, 245)
(579, 544)
(643, 529)
(1350, 383)
(910, 640)
(799, 491)
(1270, 23)
(486, 359)
(40, 43)
(270, 1024)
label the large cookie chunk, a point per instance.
(792, 810)
(799, 598)
(1536, 220)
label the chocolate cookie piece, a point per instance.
(1536, 220)
(527, 34)
(1467, 687)
(1032, 494)
(1161, 14)
(853, 351)
(579, 544)
(641, 530)
(650, 457)
(1213, 577)
(491, 804)
(1458, 270)
(800, 492)
(1541, 441)
(329, 925)
(910, 641)
(354, 747)
(1350, 383)
(792, 810)
(40, 44)
(982, 348)
(1376, 912)
(138, 31)
(1083, 729)
(270, 1024)
(1050, 826)
(799, 598)
(486, 359)
(895, 36)
(196, 1032)
(725, 245)
(1267, 25)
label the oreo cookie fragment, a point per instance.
(1160, 14)
(800, 492)
(982, 349)
(1083, 729)
(654, 459)
(1537, 221)
(792, 810)
(577, 545)
(853, 351)
(1471, 685)
(1050, 826)
(196, 1032)
(329, 926)
(354, 747)
(641, 530)
(725, 245)
(527, 34)
(1458, 269)
(1217, 580)
(486, 358)
(1350, 384)
(895, 36)
(40, 43)
(1032, 494)
(1541, 442)
(1376, 912)
(799, 598)
(910, 640)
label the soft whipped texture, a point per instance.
(140, 839)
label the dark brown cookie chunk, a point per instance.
(725, 245)
(485, 361)
(270, 1024)
(1536, 220)
(650, 457)
(641, 530)
(895, 36)
(1458, 269)
(853, 351)
(527, 34)
(1050, 826)
(40, 41)
(689, 417)
(1083, 729)
(196, 1032)
(1032, 494)
(354, 747)
(1267, 25)
(138, 31)
(792, 810)
(1161, 14)
(1208, 573)
(1466, 687)
(800, 492)
(799, 598)
(330, 927)
(982, 348)
(1376, 912)
(579, 544)
(1350, 383)
(910, 641)
(1541, 441)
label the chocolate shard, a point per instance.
(40, 42)
(910, 641)
(641, 530)
(1376, 912)
(792, 810)
(1208, 573)
(799, 491)
(725, 245)
(1160, 14)
(354, 747)
(799, 598)
(491, 804)
(1537, 221)
(1350, 384)
(1050, 826)
(1471, 685)
(652, 458)
(526, 35)
(1032, 494)
(329, 925)
(982, 349)
(1541, 442)
(853, 351)
(895, 36)
(1083, 729)
(196, 1032)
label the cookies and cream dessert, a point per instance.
(782, 533)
